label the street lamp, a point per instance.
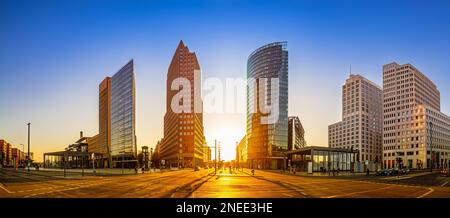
(151, 159)
(28, 158)
(431, 146)
(23, 151)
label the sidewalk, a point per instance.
(319, 174)
(70, 173)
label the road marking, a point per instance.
(443, 184)
(8, 191)
(360, 192)
(429, 192)
(64, 189)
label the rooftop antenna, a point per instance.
(350, 69)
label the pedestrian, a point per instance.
(367, 171)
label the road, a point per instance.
(269, 184)
(204, 184)
(162, 184)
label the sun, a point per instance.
(228, 132)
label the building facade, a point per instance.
(362, 122)
(267, 141)
(5, 153)
(241, 152)
(296, 134)
(18, 157)
(117, 119)
(183, 142)
(123, 113)
(416, 134)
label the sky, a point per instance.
(53, 55)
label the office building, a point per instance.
(416, 133)
(183, 142)
(361, 125)
(116, 140)
(296, 134)
(267, 139)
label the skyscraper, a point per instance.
(123, 136)
(116, 138)
(267, 141)
(361, 125)
(416, 134)
(183, 141)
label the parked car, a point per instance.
(404, 171)
(445, 172)
(380, 172)
(389, 172)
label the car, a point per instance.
(380, 172)
(404, 171)
(445, 172)
(384, 172)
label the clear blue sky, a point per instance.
(53, 54)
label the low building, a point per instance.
(18, 157)
(5, 153)
(75, 155)
(321, 159)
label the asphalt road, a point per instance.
(162, 184)
(274, 184)
(204, 184)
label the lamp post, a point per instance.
(431, 146)
(151, 159)
(28, 156)
(23, 152)
(215, 157)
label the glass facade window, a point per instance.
(331, 160)
(123, 112)
(267, 140)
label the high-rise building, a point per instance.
(116, 138)
(101, 143)
(361, 125)
(296, 134)
(123, 112)
(183, 141)
(267, 140)
(416, 134)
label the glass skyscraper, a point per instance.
(123, 137)
(267, 142)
